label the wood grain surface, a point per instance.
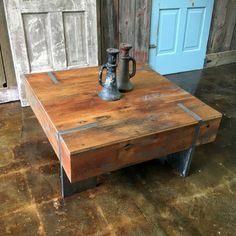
(99, 136)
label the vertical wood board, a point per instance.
(233, 43)
(109, 13)
(75, 38)
(222, 27)
(125, 22)
(7, 62)
(127, 11)
(142, 26)
(36, 28)
(2, 73)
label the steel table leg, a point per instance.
(181, 160)
(68, 188)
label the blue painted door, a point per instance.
(179, 34)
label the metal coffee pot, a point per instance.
(123, 82)
(109, 91)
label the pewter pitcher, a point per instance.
(123, 82)
(109, 91)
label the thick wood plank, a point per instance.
(104, 159)
(220, 58)
(48, 127)
(100, 136)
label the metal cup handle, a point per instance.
(134, 67)
(104, 66)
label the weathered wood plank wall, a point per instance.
(2, 74)
(51, 35)
(142, 26)
(7, 63)
(8, 87)
(223, 27)
(109, 11)
(222, 40)
(128, 22)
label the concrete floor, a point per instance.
(146, 199)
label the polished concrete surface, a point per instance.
(146, 199)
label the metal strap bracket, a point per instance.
(53, 77)
(182, 160)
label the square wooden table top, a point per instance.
(68, 105)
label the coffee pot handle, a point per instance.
(134, 67)
(104, 66)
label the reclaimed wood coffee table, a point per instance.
(91, 136)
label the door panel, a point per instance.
(75, 38)
(194, 27)
(179, 34)
(36, 27)
(51, 35)
(168, 28)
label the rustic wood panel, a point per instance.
(127, 12)
(2, 73)
(233, 43)
(109, 11)
(142, 30)
(126, 22)
(75, 38)
(36, 28)
(7, 62)
(99, 30)
(220, 58)
(222, 27)
(57, 45)
(100, 136)
(41, 34)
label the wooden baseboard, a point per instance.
(9, 94)
(220, 58)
